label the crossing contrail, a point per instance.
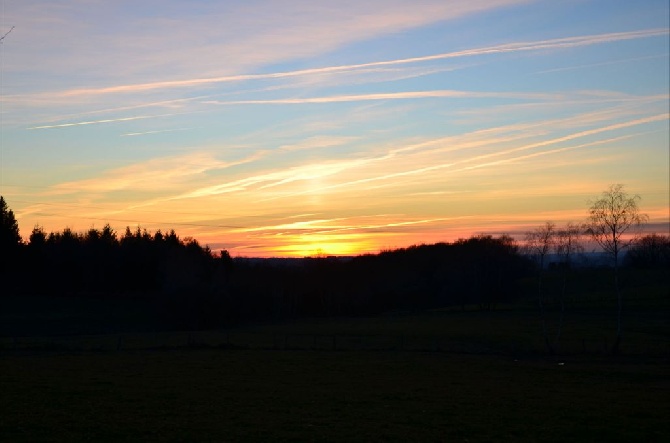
(6, 34)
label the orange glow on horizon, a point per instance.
(303, 235)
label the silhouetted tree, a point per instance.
(650, 252)
(10, 239)
(38, 238)
(9, 228)
(567, 244)
(539, 243)
(35, 264)
(487, 268)
(190, 287)
(65, 260)
(11, 250)
(614, 220)
(99, 259)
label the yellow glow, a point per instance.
(314, 245)
(347, 195)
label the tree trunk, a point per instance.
(562, 300)
(617, 341)
(543, 317)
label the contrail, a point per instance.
(655, 118)
(133, 134)
(327, 99)
(6, 34)
(566, 42)
(592, 65)
(97, 122)
(388, 96)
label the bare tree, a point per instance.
(614, 222)
(539, 243)
(566, 245)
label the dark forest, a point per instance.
(190, 287)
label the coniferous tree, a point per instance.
(9, 228)
(10, 240)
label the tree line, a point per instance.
(193, 287)
(614, 222)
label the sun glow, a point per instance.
(316, 245)
(367, 136)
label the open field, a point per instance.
(446, 375)
(440, 375)
(511, 331)
(239, 395)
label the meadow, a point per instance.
(443, 375)
(241, 395)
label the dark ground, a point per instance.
(237, 395)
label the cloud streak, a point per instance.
(103, 121)
(388, 96)
(156, 174)
(544, 143)
(608, 63)
(292, 126)
(161, 131)
(540, 45)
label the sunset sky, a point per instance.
(291, 128)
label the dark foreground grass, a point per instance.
(254, 395)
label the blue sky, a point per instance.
(303, 127)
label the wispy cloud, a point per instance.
(271, 179)
(539, 100)
(134, 134)
(176, 40)
(157, 174)
(388, 96)
(317, 142)
(540, 45)
(391, 123)
(358, 224)
(480, 160)
(316, 172)
(636, 122)
(608, 63)
(98, 122)
(606, 107)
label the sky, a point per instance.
(296, 128)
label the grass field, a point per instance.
(237, 395)
(457, 376)
(511, 331)
(441, 375)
